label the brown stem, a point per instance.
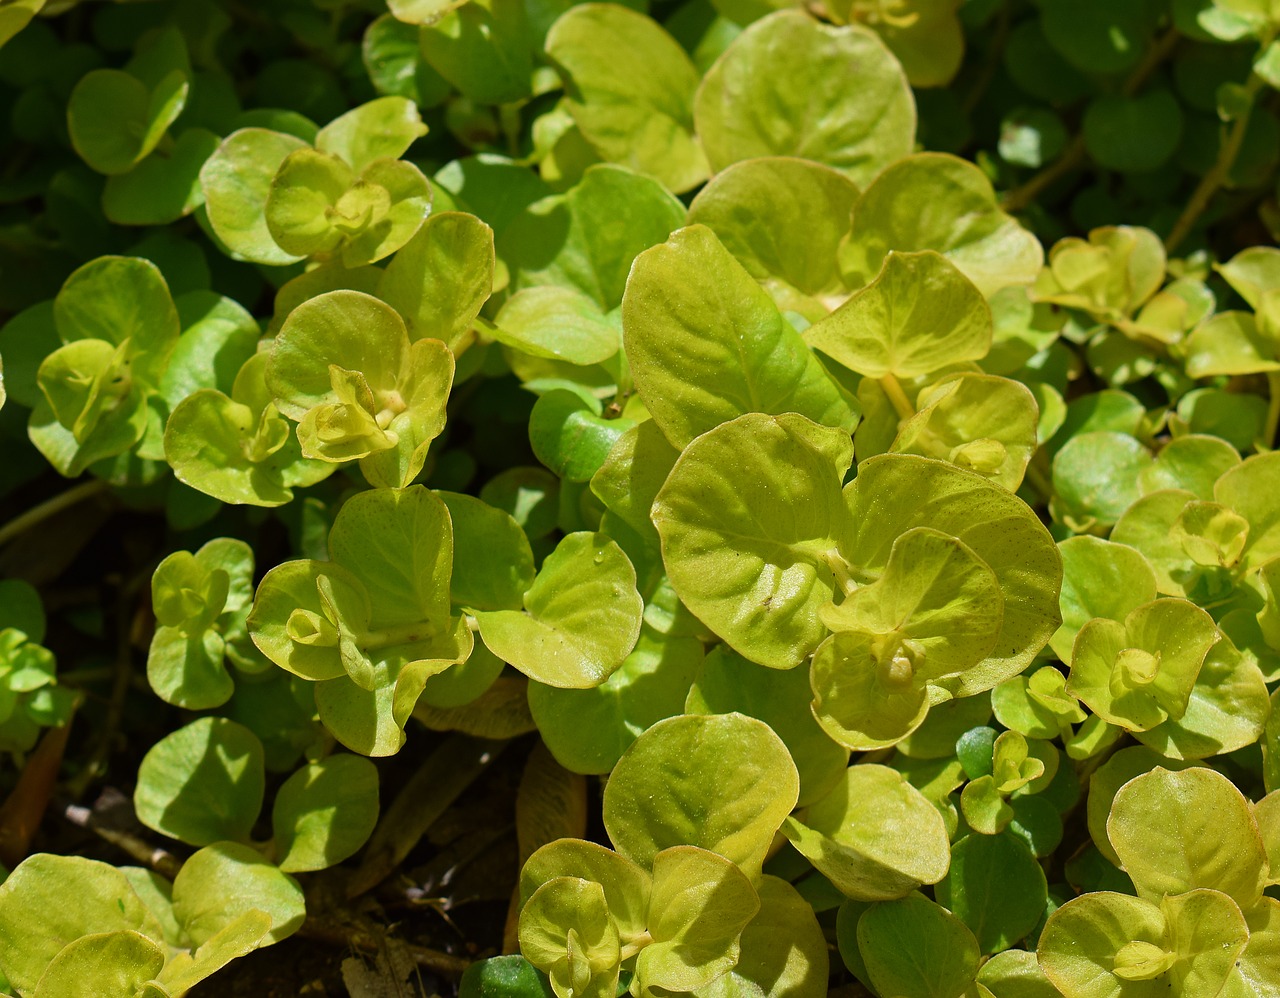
(162, 861)
(38, 514)
(360, 939)
(1018, 198)
(24, 808)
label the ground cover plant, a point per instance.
(716, 497)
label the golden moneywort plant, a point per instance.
(836, 440)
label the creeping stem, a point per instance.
(51, 507)
(1212, 181)
(1074, 155)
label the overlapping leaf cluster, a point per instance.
(903, 555)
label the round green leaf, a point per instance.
(782, 217)
(632, 475)
(1109, 944)
(630, 90)
(325, 812)
(931, 201)
(1147, 525)
(1246, 489)
(980, 422)
(219, 337)
(492, 562)
(627, 887)
(398, 543)
(504, 977)
(915, 948)
(895, 492)
(700, 904)
(574, 240)
(781, 89)
(117, 299)
(1237, 419)
(727, 682)
(202, 783)
(938, 604)
(1095, 476)
(352, 330)
(1098, 36)
(394, 217)
(1139, 672)
(223, 448)
(756, 577)
(782, 950)
(852, 701)
(1099, 579)
(919, 314)
(1253, 272)
(1229, 343)
(1227, 710)
(875, 836)
(289, 617)
(1133, 134)
(370, 719)
(1194, 462)
(48, 901)
(1080, 941)
(484, 48)
(1175, 832)
(706, 343)
(440, 278)
(557, 323)
(115, 120)
(236, 181)
(1016, 973)
(187, 669)
(722, 782)
(996, 887)
(394, 63)
(566, 932)
(223, 881)
(568, 434)
(118, 963)
(582, 619)
(307, 197)
(381, 129)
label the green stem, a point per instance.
(1018, 198)
(635, 946)
(1212, 181)
(893, 388)
(842, 571)
(50, 507)
(401, 634)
